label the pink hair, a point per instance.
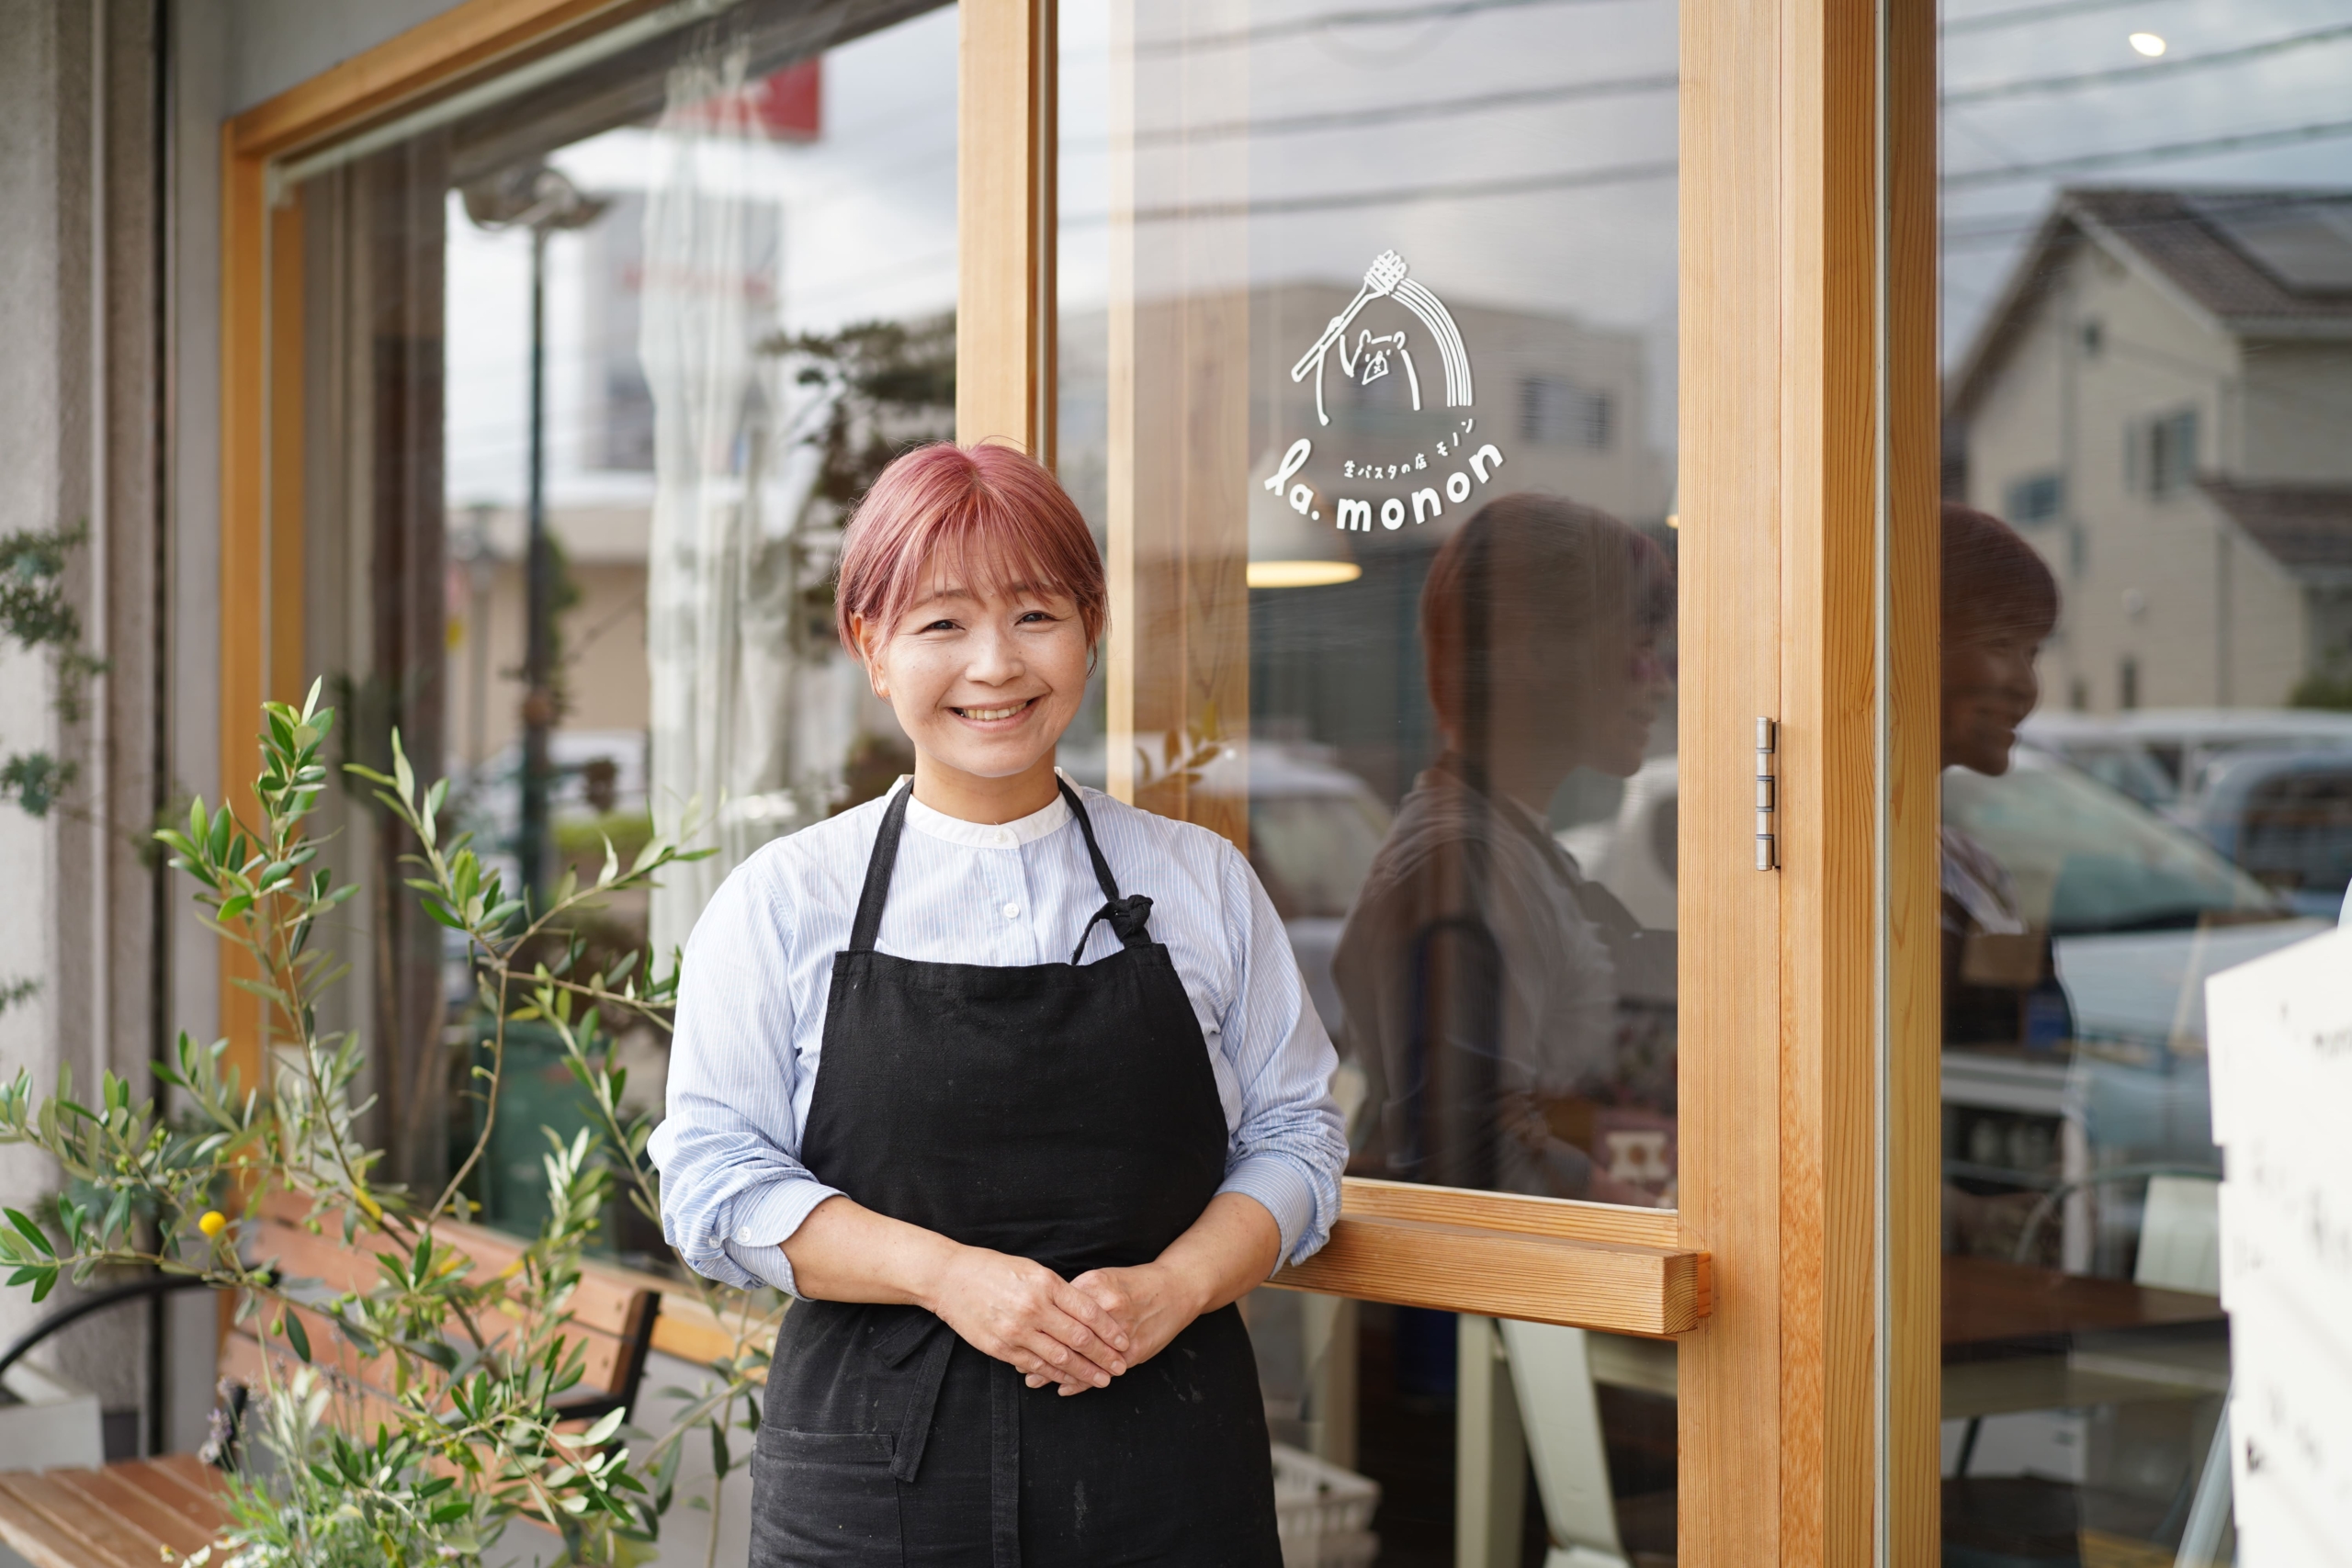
(990, 513)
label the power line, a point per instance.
(1335, 119)
(1660, 81)
(1375, 18)
(2024, 15)
(1442, 10)
(1402, 196)
(2242, 141)
(2127, 74)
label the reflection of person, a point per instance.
(1999, 605)
(998, 1174)
(1500, 1004)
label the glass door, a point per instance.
(2145, 719)
(1367, 334)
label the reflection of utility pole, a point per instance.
(475, 550)
(541, 199)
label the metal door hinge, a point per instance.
(1766, 794)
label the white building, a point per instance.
(2161, 401)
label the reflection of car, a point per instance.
(2161, 757)
(1633, 854)
(1314, 829)
(2142, 911)
(2286, 819)
(596, 770)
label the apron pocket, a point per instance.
(824, 1500)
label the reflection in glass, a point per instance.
(1366, 358)
(1514, 1023)
(2146, 255)
(598, 362)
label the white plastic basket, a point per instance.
(1323, 1513)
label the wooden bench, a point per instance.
(127, 1514)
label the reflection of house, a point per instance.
(2160, 402)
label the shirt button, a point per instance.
(1002, 837)
(1012, 911)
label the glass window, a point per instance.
(2144, 249)
(594, 366)
(1367, 336)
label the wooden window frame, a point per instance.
(1799, 1275)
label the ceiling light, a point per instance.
(2148, 44)
(1302, 573)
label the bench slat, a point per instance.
(99, 1537)
(188, 1472)
(601, 1302)
(112, 1491)
(181, 1482)
(33, 1536)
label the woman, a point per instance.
(1500, 1003)
(2000, 605)
(1016, 1195)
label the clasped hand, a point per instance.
(1077, 1334)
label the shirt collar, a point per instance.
(986, 835)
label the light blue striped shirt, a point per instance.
(752, 1005)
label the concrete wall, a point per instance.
(80, 442)
(273, 44)
(109, 287)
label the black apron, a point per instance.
(1060, 1112)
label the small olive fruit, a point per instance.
(212, 1223)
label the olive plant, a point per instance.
(470, 1366)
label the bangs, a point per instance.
(981, 519)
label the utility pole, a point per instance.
(538, 198)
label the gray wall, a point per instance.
(270, 45)
(111, 113)
(80, 437)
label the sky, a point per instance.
(867, 230)
(1438, 106)
(2170, 100)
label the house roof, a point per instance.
(2306, 528)
(2255, 260)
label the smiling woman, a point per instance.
(972, 591)
(1021, 1211)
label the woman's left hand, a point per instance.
(1230, 1248)
(1153, 1302)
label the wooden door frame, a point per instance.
(1808, 1344)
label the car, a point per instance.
(2160, 757)
(2285, 816)
(2140, 910)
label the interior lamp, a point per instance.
(1288, 550)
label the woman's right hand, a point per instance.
(1026, 1315)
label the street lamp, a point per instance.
(538, 198)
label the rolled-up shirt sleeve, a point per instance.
(733, 1189)
(1290, 1144)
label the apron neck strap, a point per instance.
(878, 867)
(1093, 852)
(1127, 916)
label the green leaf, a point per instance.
(32, 1232)
(296, 1335)
(606, 1425)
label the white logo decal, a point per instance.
(1374, 357)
